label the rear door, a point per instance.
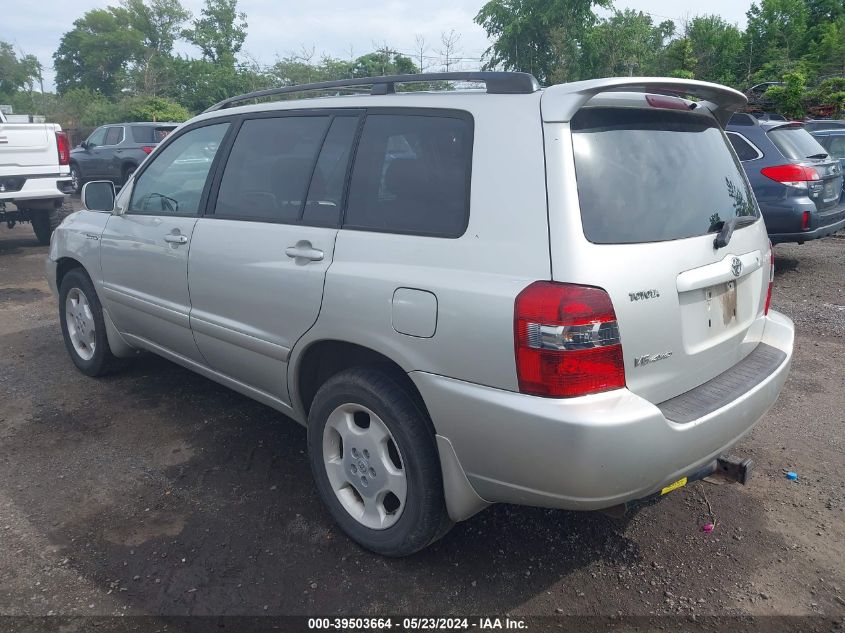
(654, 186)
(259, 260)
(110, 153)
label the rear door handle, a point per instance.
(175, 238)
(303, 250)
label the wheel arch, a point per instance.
(321, 359)
(64, 265)
(119, 347)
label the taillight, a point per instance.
(805, 221)
(566, 341)
(771, 278)
(63, 145)
(792, 175)
(147, 148)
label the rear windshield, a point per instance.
(655, 175)
(150, 134)
(796, 143)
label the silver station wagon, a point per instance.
(554, 297)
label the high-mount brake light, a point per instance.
(791, 175)
(63, 147)
(669, 103)
(566, 341)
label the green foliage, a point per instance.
(542, 37)
(789, 98)
(16, 74)
(627, 43)
(219, 32)
(118, 62)
(96, 53)
(144, 108)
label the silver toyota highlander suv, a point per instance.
(554, 297)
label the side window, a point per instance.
(114, 135)
(412, 175)
(269, 168)
(744, 150)
(97, 137)
(174, 181)
(326, 191)
(835, 145)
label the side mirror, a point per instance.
(84, 145)
(98, 195)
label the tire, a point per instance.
(43, 224)
(76, 178)
(127, 173)
(371, 393)
(97, 359)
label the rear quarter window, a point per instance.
(744, 149)
(412, 175)
(150, 134)
(650, 175)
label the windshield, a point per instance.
(796, 143)
(650, 175)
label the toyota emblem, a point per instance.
(736, 266)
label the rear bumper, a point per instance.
(785, 224)
(592, 452)
(806, 236)
(39, 187)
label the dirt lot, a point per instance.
(157, 491)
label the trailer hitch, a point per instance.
(729, 467)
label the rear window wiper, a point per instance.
(728, 226)
(818, 156)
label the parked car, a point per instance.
(833, 140)
(113, 152)
(816, 125)
(554, 297)
(34, 175)
(768, 116)
(797, 184)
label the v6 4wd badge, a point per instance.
(647, 359)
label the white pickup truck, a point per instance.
(34, 175)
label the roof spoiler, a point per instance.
(560, 103)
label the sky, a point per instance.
(278, 28)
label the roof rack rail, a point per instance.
(496, 82)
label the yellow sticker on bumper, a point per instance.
(678, 484)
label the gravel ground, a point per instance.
(156, 491)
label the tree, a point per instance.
(717, 48)
(219, 32)
(160, 24)
(96, 53)
(450, 49)
(627, 43)
(16, 74)
(538, 36)
(789, 98)
(680, 58)
(777, 30)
